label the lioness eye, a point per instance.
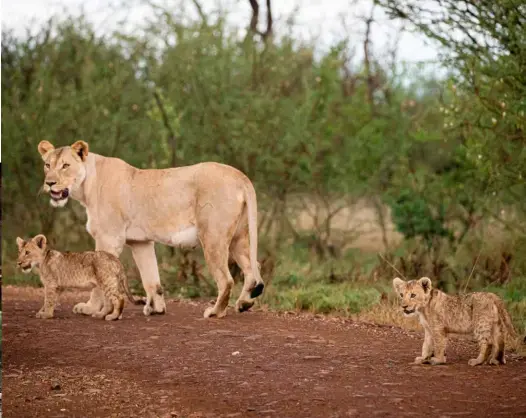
(401, 295)
(47, 165)
(27, 252)
(412, 295)
(65, 165)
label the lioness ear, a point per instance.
(20, 242)
(40, 240)
(44, 147)
(81, 148)
(425, 282)
(398, 284)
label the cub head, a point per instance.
(64, 170)
(31, 253)
(413, 294)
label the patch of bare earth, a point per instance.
(255, 364)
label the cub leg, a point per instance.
(439, 338)
(497, 352)
(50, 301)
(117, 306)
(107, 308)
(427, 348)
(483, 335)
(114, 245)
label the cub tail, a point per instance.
(124, 283)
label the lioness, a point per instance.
(79, 270)
(482, 314)
(210, 204)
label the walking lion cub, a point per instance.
(86, 270)
(481, 314)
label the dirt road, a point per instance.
(256, 364)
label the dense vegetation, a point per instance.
(441, 159)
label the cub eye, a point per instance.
(47, 165)
(27, 252)
(412, 295)
(401, 295)
(66, 165)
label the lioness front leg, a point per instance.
(146, 261)
(50, 301)
(427, 348)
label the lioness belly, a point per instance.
(182, 237)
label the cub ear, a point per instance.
(81, 148)
(44, 147)
(398, 285)
(20, 242)
(425, 282)
(40, 240)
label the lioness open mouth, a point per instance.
(59, 195)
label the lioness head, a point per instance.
(64, 169)
(413, 294)
(31, 253)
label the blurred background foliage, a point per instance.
(358, 165)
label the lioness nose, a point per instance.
(51, 183)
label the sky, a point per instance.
(312, 19)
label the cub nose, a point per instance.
(51, 183)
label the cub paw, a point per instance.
(436, 361)
(421, 360)
(494, 362)
(474, 362)
(81, 308)
(43, 315)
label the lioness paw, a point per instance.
(147, 310)
(421, 360)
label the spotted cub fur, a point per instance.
(482, 314)
(84, 270)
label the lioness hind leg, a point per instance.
(239, 250)
(216, 257)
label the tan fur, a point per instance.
(207, 204)
(481, 313)
(83, 270)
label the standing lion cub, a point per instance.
(87, 270)
(482, 314)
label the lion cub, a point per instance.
(481, 314)
(87, 269)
